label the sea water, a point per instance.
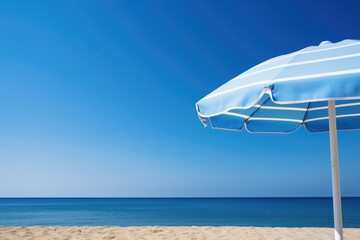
(260, 212)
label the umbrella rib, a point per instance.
(248, 119)
(307, 109)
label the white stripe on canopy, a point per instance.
(301, 77)
(306, 52)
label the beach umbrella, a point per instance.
(317, 87)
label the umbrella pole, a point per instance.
(335, 172)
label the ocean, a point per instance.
(260, 212)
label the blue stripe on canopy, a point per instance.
(286, 92)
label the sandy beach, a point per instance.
(172, 233)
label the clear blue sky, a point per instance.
(97, 98)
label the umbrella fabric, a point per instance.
(287, 92)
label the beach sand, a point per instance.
(172, 233)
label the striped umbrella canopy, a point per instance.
(317, 87)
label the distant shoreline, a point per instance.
(170, 197)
